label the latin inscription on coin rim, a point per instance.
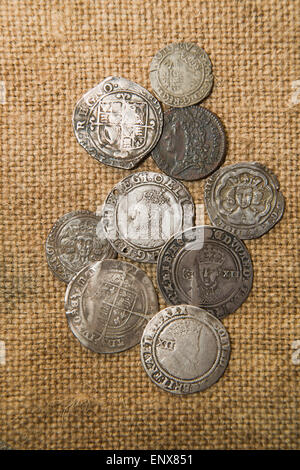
(165, 268)
(175, 384)
(124, 247)
(85, 106)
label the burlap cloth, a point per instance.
(55, 394)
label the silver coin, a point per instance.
(244, 199)
(118, 122)
(142, 212)
(192, 144)
(207, 267)
(181, 74)
(108, 304)
(75, 240)
(184, 349)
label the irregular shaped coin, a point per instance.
(207, 267)
(192, 144)
(142, 212)
(74, 241)
(181, 74)
(108, 304)
(184, 349)
(244, 199)
(118, 122)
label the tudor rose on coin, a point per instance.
(143, 211)
(184, 349)
(75, 240)
(181, 74)
(108, 304)
(192, 144)
(207, 267)
(244, 199)
(118, 122)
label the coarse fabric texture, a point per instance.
(55, 394)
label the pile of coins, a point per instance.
(203, 272)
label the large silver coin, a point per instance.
(184, 349)
(118, 122)
(181, 74)
(108, 304)
(207, 267)
(74, 241)
(244, 199)
(143, 211)
(192, 144)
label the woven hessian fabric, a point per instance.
(55, 394)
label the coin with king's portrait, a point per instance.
(184, 349)
(244, 199)
(143, 211)
(181, 74)
(207, 267)
(192, 144)
(118, 122)
(75, 240)
(108, 304)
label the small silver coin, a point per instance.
(207, 267)
(108, 304)
(181, 74)
(184, 349)
(143, 211)
(118, 122)
(75, 240)
(244, 199)
(192, 144)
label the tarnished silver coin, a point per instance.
(184, 349)
(118, 122)
(108, 304)
(142, 212)
(244, 199)
(76, 239)
(181, 74)
(192, 144)
(207, 267)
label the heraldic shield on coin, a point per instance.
(207, 267)
(76, 240)
(192, 144)
(143, 211)
(108, 304)
(181, 74)
(118, 122)
(244, 199)
(184, 349)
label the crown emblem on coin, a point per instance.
(211, 255)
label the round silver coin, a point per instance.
(74, 241)
(118, 122)
(184, 349)
(207, 267)
(181, 74)
(108, 304)
(244, 199)
(143, 211)
(192, 144)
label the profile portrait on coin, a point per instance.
(192, 144)
(184, 349)
(245, 199)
